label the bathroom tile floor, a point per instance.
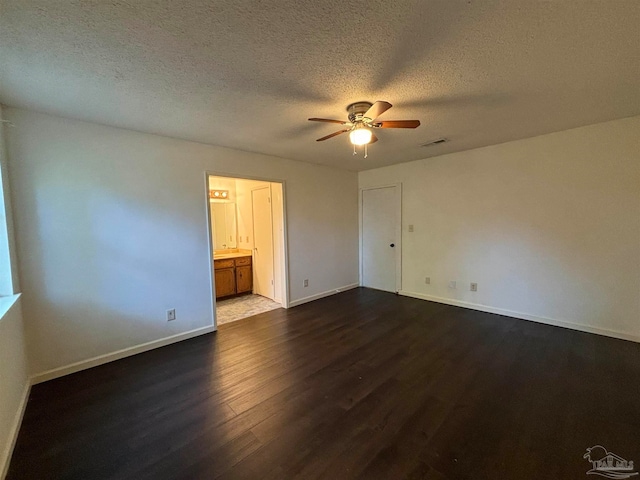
(232, 309)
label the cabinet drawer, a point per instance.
(223, 264)
(243, 261)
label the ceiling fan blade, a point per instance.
(328, 120)
(398, 124)
(374, 139)
(332, 135)
(377, 109)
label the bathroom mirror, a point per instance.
(224, 225)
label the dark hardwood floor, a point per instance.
(363, 384)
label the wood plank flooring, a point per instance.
(363, 384)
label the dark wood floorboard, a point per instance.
(363, 384)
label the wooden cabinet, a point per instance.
(233, 276)
(225, 282)
(244, 279)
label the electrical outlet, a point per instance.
(305, 283)
(411, 228)
(474, 287)
(427, 280)
(171, 314)
(452, 284)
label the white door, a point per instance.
(380, 242)
(262, 242)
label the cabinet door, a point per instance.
(244, 278)
(225, 282)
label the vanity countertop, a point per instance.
(233, 253)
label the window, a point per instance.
(7, 274)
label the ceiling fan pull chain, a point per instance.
(365, 150)
(354, 150)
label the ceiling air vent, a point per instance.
(437, 141)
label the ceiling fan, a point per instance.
(363, 118)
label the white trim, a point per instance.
(117, 355)
(6, 303)
(398, 187)
(15, 429)
(525, 316)
(212, 266)
(285, 246)
(317, 296)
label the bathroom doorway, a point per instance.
(247, 226)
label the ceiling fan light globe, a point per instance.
(360, 136)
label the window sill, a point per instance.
(6, 303)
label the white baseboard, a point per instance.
(317, 296)
(13, 433)
(117, 355)
(525, 316)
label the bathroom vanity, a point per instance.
(233, 273)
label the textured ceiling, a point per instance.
(248, 74)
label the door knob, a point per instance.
(392, 245)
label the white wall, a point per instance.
(549, 227)
(14, 379)
(111, 232)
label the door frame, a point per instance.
(398, 250)
(285, 235)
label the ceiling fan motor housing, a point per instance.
(357, 111)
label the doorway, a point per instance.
(380, 237)
(247, 231)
